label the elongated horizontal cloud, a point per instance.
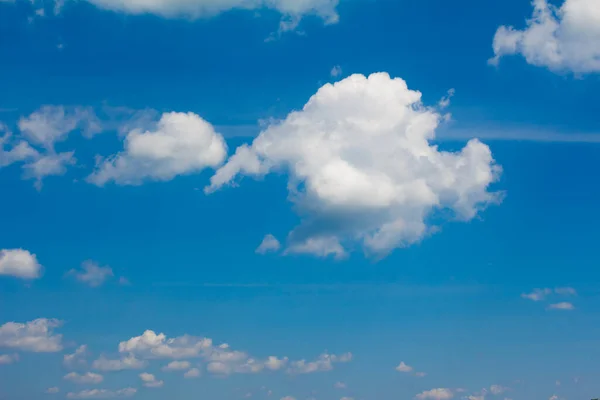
(120, 364)
(436, 394)
(219, 360)
(102, 394)
(182, 143)
(561, 39)
(36, 336)
(84, 379)
(295, 9)
(362, 169)
(19, 263)
(92, 274)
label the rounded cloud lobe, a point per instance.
(182, 143)
(362, 169)
(561, 39)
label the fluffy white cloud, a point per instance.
(361, 167)
(123, 363)
(152, 345)
(268, 245)
(221, 359)
(36, 336)
(192, 373)
(102, 394)
(77, 358)
(562, 306)
(92, 274)
(51, 124)
(177, 366)
(84, 379)
(436, 394)
(150, 380)
(182, 143)
(8, 359)
(403, 367)
(20, 264)
(561, 39)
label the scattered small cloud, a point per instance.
(340, 385)
(102, 394)
(561, 306)
(6, 359)
(84, 379)
(270, 244)
(403, 367)
(150, 380)
(77, 358)
(436, 394)
(92, 274)
(52, 390)
(336, 71)
(19, 263)
(192, 373)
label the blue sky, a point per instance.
(146, 153)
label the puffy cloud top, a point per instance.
(36, 336)
(181, 144)
(361, 167)
(561, 39)
(20, 264)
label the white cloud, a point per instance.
(340, 385)
(84, 379)
(53, 390)
(553, 397)
(323, 363)
(48, 164)
(497, 389)
(420, 374)
(181, 144)
(361, 167)
(562, 306)
(347, 398)
(566, 291)
(18, 150)
(35, 336)
(150, 380)
(292, 10)
(288, 398)
(19, 263)
(561, 39)
(124, 363)
(51, 124)
(268, 245)
(151, 345)
(77, 358)
(404, 368)
(436, 394)
(219, 359)
(192, 373)
(336, 71)
(177, 366)
(92, 274)
(6, 359)
(102, 394)
(537, 294)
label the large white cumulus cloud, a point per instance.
(561, 39)
(182, 143)
(362, 167)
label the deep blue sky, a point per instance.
(450, 306)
